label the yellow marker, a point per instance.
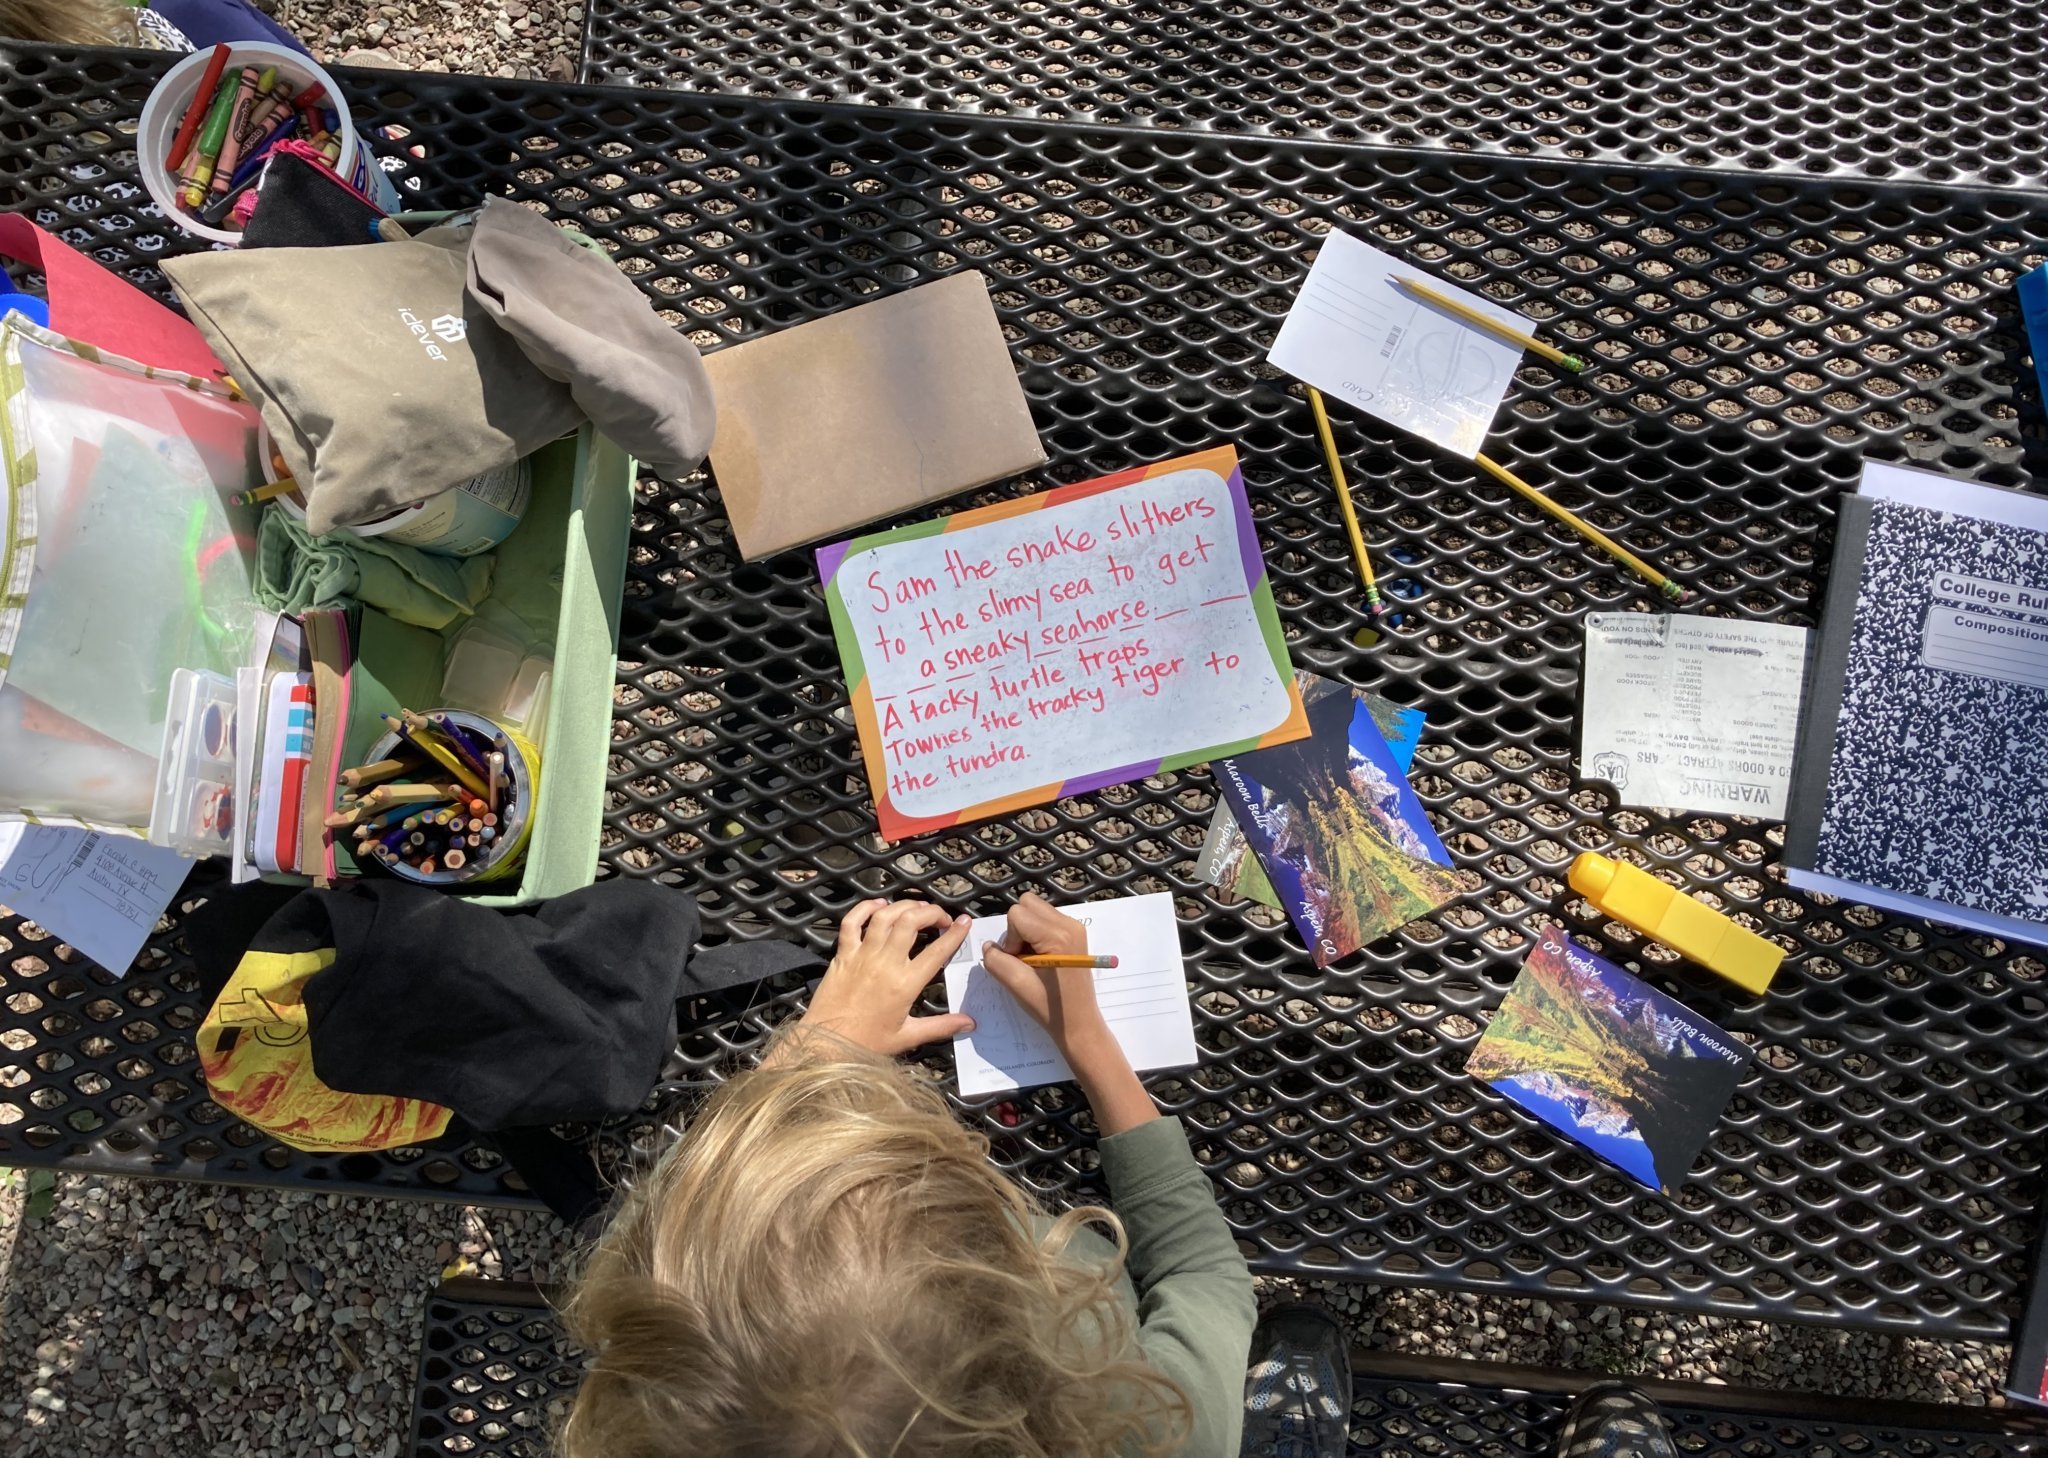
(1694, 930)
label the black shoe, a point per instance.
(1297, 1394)
(1613, 1420)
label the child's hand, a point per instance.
(873, 982)
(1063, 1000)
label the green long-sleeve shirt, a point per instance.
(1184, 1280)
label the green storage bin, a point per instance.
(575, 532)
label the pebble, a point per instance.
(183, 1343)
(506, 38)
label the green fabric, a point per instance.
(297, 571)
(1184, 1280)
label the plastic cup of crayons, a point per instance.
(164, 115)
(431, 824)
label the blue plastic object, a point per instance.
(37, 309)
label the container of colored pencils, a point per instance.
(444, 799)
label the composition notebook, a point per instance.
(1920, 765)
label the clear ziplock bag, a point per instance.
(122, 562)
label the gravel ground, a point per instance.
(170, 1320)
(155, 1319)
(508, 38)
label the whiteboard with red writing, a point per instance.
(1049, 646)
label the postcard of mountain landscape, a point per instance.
(1347, 845)
(1227, 861)
(1610, 1061)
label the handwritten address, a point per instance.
(1105, 632)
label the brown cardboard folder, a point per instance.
(867, 413)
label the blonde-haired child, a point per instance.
(828, 1264)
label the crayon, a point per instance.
(198, 174)
(306, 99)
(195, 112)
(238, 121)
(259, 150)
(262, 104)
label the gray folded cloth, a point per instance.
(582, 322)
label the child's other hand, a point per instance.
(1061, 998)
(873, 982)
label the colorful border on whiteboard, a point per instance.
(895, 826)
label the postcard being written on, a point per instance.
(1144, 999)
(1609, 1061)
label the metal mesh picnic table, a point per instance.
(1860, 88)
(1754, 337)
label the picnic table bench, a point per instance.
(1754, 337)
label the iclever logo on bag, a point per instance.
(447, 326)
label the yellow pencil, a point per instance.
(267, 492)
(1372, 587)
(1587, 530)
(1491, 325)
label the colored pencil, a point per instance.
(429, 742)
(1050, 960)
(1491, 325)
(269, 491)
(374, 774)
(1586, 529)
(1372, 587)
